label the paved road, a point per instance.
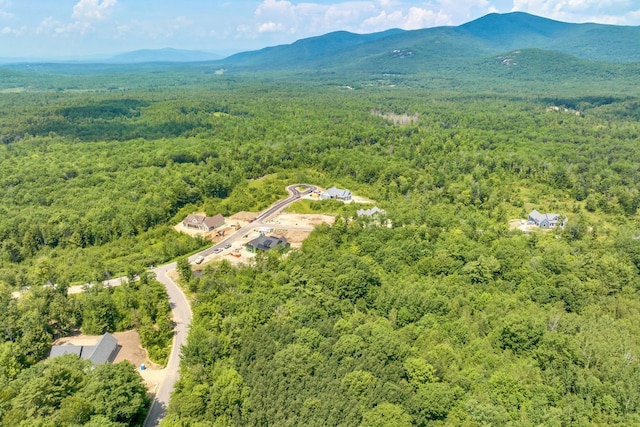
(294, 194)
(181, 309)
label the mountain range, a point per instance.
(517, 43)
(490, 35)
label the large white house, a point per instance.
(336, 193)
(547, 220)
(203, 223)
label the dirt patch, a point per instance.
(300, 220)
(524, 226)
(78, 339)
(514, 224)
(131, 349)
(243, 216)
(296, 237)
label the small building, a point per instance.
(266, 243)
(547, 220)
(103, 352)
(337, 194)
(203, 223)
(371, 212)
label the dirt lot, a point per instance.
(243, 216)
(301, 220)
(130, 349)
(521, 224)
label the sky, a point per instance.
(81, 28)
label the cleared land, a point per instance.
(130, 349)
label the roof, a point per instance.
(214, 221)
(539, 217)
(370, 212)
(104, 351)
(61, 350)
(265, 243)
(208, 221)
(337, 192)
(195, 219)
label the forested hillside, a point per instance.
(449, 317)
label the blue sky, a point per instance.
(70, 28)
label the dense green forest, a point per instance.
(449, 317)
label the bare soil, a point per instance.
(521, 224)
(243, 216)
(300, 220)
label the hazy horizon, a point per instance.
(72, 29)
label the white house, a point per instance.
(336, 193)
(547, 220)
(203, 223)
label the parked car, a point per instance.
(199, 259)
(227, 246)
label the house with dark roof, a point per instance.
(337, 194)
(266, 243)
(203, 223)
(547, 220)
(103, 352)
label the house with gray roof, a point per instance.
(104, 351)
(337, 194)
(547, 220)
(202, 222)
(266, 243)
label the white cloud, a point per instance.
(415, 18)
(4, 10)
(420, 18)
(182, 22)
(93, 10)
(271, 27)
(50, 26)
(601, 11)
(307, 18)
(86, 14)
(314, 17)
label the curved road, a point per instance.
(181, 309)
